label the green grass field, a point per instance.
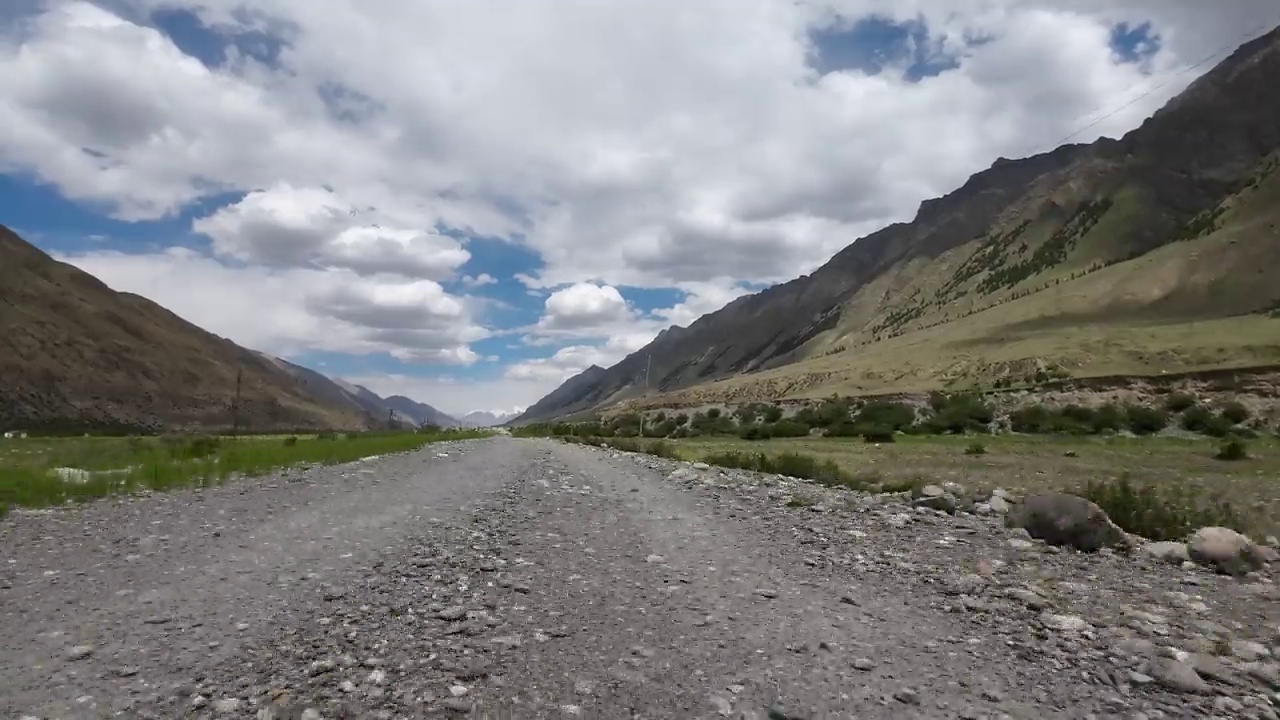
(39, 472)
(1185, 468)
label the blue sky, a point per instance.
(357, 190)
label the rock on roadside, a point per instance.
(1067, 520)
(1224, 550)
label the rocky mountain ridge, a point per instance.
(1002, 254)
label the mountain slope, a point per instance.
(420, 413)
(76, 355)
(579, 392)
(342, 394)
(1056, 261)
(484, 418)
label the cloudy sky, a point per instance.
(467, 201)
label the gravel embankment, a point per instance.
(543, 580)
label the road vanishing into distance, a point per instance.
(532, 579)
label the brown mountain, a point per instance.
(77, 355)
(1155, 252)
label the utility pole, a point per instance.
(235, 405)
(648, 364)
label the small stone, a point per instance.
(79, 652)
(1223, 703)
(998, 505)
(1179, 676)
(126, 671)
(1065, 623)
(347, 686)
(907, 696)
(457, 690)
(377, 677)
(227, 705)
(453, 613)
(1248, 650)
(199, 701)
(864, 664)
(319, 667)
(722, 706)
(1174, 553)
(457, 705)
(1138, 679)
(242, 626)
(1030, 598)
(311, 714)
(654, 559)
(701, 466)
(767, 593)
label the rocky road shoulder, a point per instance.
(576, 582)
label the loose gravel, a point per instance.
(531, 579)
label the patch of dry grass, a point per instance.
(1028, 464)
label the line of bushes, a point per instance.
(946, 413)
(791, 464)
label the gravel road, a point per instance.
(531, 579)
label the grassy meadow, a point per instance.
(39, 472)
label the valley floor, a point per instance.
(551, 580)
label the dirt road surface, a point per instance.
(531, 579)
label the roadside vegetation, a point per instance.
(1160, 471)
(39, 472)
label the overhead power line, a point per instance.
(1239, 40)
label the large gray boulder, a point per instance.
(1067, 520)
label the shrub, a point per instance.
(890, 415)
(959, 413)
(290, 441)
(1031, 419)
(1232, 450)
(1178, 402)
(1108, 418)
(807, 416)
(976, 448)
(876, 433)
(843, 429)
(789, 428)
(1218, 427)
(831, 412)
(713, 423)
(1146, 420)
(1235, 412)
(772, 414)
(1196, 418)
(790, 464)
(1168, 513)
(755, 432)
(681, 419)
